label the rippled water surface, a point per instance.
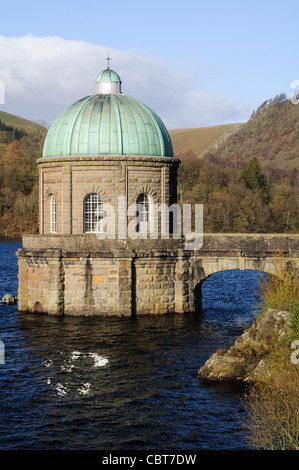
(121, 383)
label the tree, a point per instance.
(254, 177)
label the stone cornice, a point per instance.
(109, 159)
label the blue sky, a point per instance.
(195, 63)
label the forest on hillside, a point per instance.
(248, 199)
(271, 134)
(247, 183)
(19, 180)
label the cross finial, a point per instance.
(108, 59)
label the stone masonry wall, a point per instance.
(41, 282)
(82, 275)
(70, 179)
(95, 277)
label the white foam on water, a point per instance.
(76, 354)
(84, 389)
(48, 363)
(73, 357)
(99, 361)
(69, 363)
(61, 390)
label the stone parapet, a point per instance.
(91, 243)
(213, 244)
(249, 244)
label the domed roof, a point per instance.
(107, 123)
(108, 75)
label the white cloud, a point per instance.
(43, 75)
(211, 108)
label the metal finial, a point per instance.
(108, 59)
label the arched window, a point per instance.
(53, 214)
(143, 213)
(93, 213)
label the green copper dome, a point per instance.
(108, 75)
(107, 123)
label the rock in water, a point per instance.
(9, 299)
(247, 359)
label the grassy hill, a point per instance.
(14, 128)
(19, 122)
(198, 140)
(271, 135)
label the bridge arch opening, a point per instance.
(229, 290)
(38, 308)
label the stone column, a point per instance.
(23, 282)
(56, 284)
(126, 303)
(120, 201)
(41, 201)
(66, 199)
(182, 285)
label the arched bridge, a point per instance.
(246, 251)
(76, 274)
(222, 252)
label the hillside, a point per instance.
(15, 128)
(21, 143)
(198, 140)
(271, 135)
(19, 122)
(248, 179)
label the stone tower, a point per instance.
(104, 246)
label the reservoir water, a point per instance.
(97, 383)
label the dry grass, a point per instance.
(281, 290)
(273, 410)
(198, 139)
(272, 405)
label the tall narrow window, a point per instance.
(93, 213)
(143, 210)
(53, 212)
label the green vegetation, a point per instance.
(10, 133)
(20, 123)
(242, 200)
(254, 177)
(281, 291)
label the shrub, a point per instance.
(273, 412)
(280, 290)
(272, 404)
